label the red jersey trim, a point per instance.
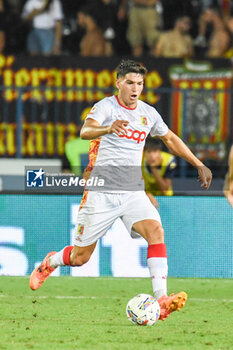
(123, 105)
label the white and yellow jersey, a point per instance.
(124, 150)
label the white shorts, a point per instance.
(102, 209)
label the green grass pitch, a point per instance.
(89, 313)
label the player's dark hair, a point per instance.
(152, 144)
(130, 66)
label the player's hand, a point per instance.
(119, 127)
(204, 176)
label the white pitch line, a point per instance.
(108, 297)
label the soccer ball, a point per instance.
(143, 310)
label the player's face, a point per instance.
(130, 87)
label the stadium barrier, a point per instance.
(198, 235)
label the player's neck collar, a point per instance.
(123, 105)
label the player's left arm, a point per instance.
(178, 148)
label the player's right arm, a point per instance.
(92, 129)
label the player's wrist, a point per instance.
(199, 165)
(109, 129)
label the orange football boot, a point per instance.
(41, 273)
(172, 303)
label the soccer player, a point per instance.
(118, 126)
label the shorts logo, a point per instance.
(136, 135)
(144, 121)
(80, 229)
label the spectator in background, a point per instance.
(213, 34)
(143, 23)
(176, 42)
(46, 33)
(157, 169)
(224, 6)
(174, 9)
(106, 12)
(93, 42)
(228, 186)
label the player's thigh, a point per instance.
(138, 209)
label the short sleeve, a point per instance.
(98, 113)
(159, 128)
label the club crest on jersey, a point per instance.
(144, 120)
(92, 110)
(80, 229)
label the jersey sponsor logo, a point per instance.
(136, 135)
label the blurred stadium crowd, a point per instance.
(164, 28)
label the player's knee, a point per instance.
(156, 234)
